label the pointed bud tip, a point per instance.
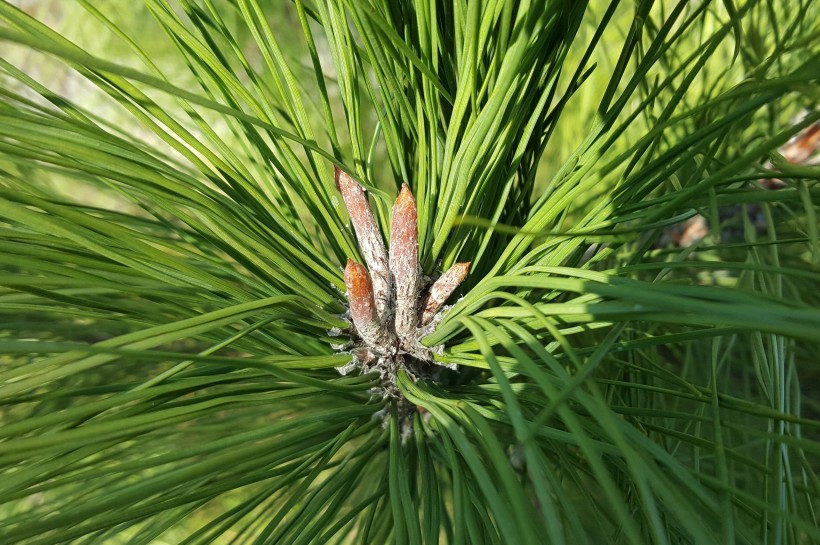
(346, 185)
(355, 269)
(357, 281)
(405, 200)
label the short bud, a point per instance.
(363, 308)
(441, 289)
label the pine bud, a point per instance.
(362, 306)
(404, 261)
(441, 289)
(370, 240)
(803, 145)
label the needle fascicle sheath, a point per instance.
(363, 308)
(370, 238)
(404, 262)
(441, 289)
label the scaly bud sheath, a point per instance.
(441, 289)
(404, 261)
(363, 307)
(370, 240)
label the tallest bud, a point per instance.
(404, 261)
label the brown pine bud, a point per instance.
(363, 307)
(404, 261)
(803, 145)
(441, 289)
(370, 238)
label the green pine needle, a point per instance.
(632, 358)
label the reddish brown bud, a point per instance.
(362, 305)
(803, 145)
(370, 239)
(801, 149)
(404, 261)
(441, 289)
(359, 292)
